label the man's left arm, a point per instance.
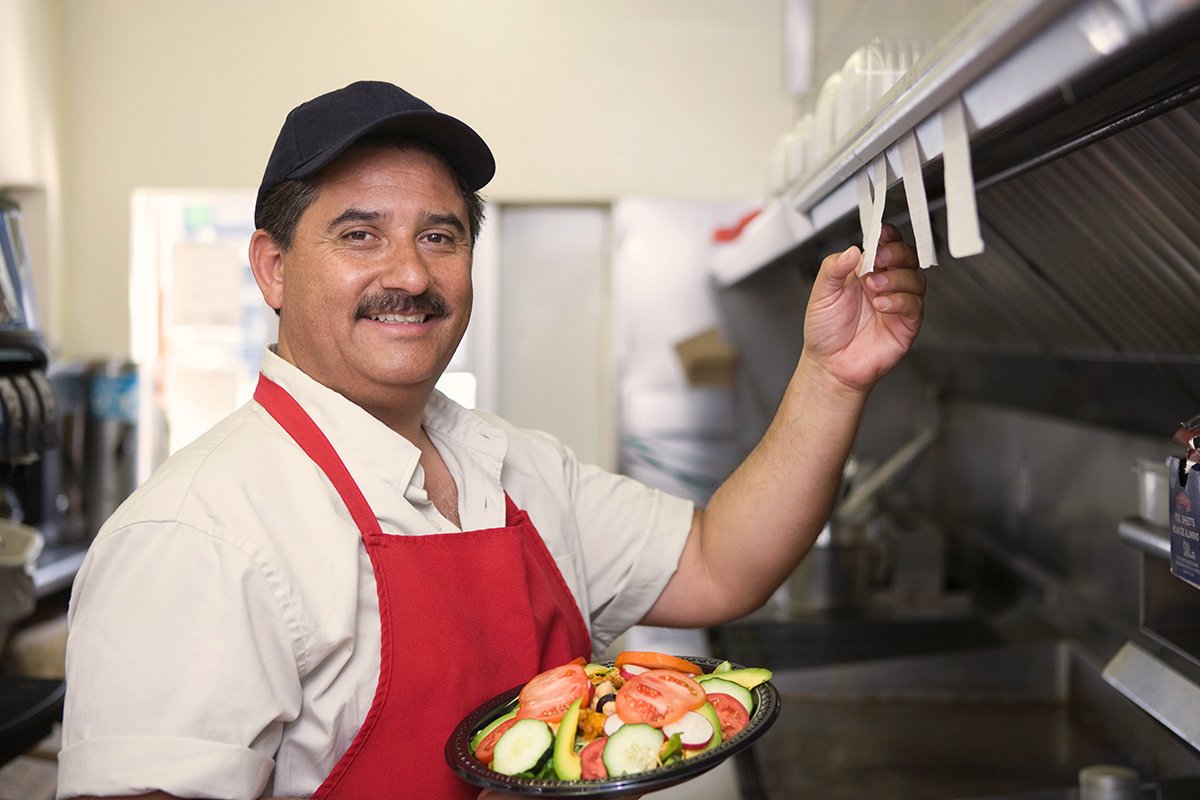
(763, 519)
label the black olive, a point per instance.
(603, 701)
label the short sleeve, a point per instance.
(632, 537)
(181, 668)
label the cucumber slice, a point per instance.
(633, 748)
(522, 747)
(734, 690)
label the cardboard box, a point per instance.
(707, 359)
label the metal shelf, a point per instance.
(1145, 536)
(1003, 61)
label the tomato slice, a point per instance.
(487, 748)
(658, 697)
(730, 712)
(592, 760)
(652, 660)
(548, 696)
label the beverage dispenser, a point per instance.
(28, 425)
(28, 412)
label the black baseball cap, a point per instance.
(317, 132)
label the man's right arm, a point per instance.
(173, 680)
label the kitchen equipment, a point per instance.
(16, 305)
(1013, 719)
(50, 489)
(1109, 782)
(860, 501)
(20, 546)
(849, 556)
(835, 574)
(1152, 480)
(110, 440)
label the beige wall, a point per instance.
(581, 100)
(31, 114)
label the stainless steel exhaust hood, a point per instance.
(1086, 299)
(1090, 255)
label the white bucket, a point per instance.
(20, 546)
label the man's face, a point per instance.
(375, 293)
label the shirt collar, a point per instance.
(361, 438)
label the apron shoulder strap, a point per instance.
(300, 426)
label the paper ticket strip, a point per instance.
(871, 198)
(962, 215)
(918, 205)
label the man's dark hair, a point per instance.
(286, 203)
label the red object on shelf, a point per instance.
(728, 234)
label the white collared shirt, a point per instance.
(224, 628)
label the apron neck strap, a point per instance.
(300, 426)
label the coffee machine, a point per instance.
(30, 483)
(68, 429)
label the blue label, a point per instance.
(114, 397)
(1185, 533)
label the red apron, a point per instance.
(463, 617)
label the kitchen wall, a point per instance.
(31, 122)
(581, 101)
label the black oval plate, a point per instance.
(464, 764)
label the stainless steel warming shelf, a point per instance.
(1017, 64)
(1159, 690)
(1021, 717)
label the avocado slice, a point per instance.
(567, 765)
(749, 677)
(710, 714)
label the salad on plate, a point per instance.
(584, 721)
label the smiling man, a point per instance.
(309, 598)
(374, 292)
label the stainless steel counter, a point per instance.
(950, 708)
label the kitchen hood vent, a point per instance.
(1094, 255)
(1085, 302)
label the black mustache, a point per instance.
(402, 303)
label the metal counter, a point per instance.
(903, 709)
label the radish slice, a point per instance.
(632, 670)
(611, 724)
(695, 731)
